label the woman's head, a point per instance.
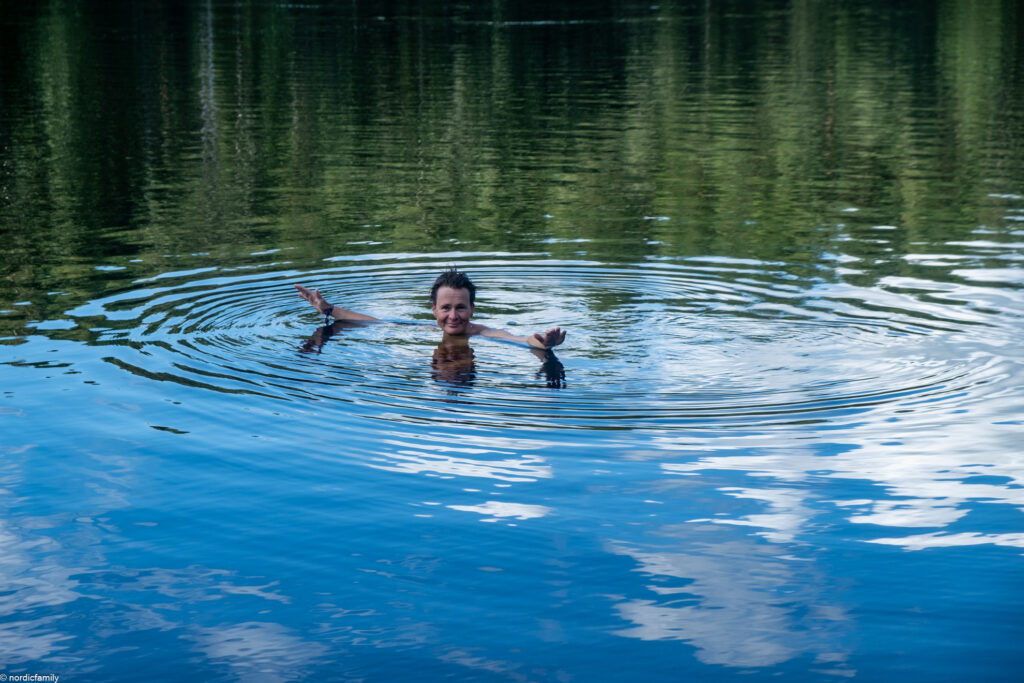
(454, 279)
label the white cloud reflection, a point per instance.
(908, 512)
(262, 652)
(30, 640)
(940, 540)
(737, 604)
(447, 460)
(493, 510)
(30, 586)
(784, 519)
(927, 478)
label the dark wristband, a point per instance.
(327, 313)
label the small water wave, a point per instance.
(705, 344)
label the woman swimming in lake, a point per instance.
(452, 300)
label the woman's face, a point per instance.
(452, 310)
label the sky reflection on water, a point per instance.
(707, 488)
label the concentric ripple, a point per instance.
(698, 343)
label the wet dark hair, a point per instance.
(456, 280)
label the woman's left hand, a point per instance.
(546, 340)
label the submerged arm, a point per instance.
(318, 302)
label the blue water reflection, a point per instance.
(712, 463)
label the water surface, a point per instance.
(782, 438)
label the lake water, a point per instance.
(782, 439)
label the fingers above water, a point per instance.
(552, 337)
(312, 296)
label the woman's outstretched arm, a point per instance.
(318, 302)
(540, 340)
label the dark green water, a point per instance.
(787, 239)
(136, 130)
